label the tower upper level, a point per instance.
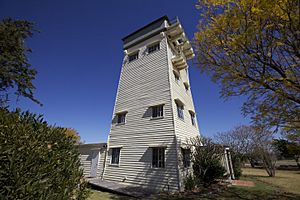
(173, 31)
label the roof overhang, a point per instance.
(92, 145)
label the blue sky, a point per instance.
(78, 56)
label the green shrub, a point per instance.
(189, 183)
(236, 160)
(207, 165)
(37, 161)
(208, 172)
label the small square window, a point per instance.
(133, 57)
(121, 118)
(115, 156)
(158, 157)
(157, 111)
(180, 111)
(186, 157)
(153, 48)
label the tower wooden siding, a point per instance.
(146, 82)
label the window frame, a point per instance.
(186, 157)
(176, 77)
(186, 86)
(180, 111)
(158, 161)
(119, 117)
(193, 118)
(156, 44)
(159, 112)
(112, 160)
(133, 56)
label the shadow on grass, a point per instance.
(260, 191)
(234, 193)
(246, 193)
(260, 176)
(113, 194)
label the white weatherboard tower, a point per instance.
(154, 114)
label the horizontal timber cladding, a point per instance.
(86, 161)
(135, 167)
(144, 83)
(86, 156)
(184, 130)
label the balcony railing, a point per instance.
(179, 60)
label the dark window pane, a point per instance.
(157, 111)
(176, 77)
(121, 118)
(133, 57)
(186, 155)
(193, 119)
(115, 157)
(158, 157)
(153, 48)
(154, 112)
(180, 111)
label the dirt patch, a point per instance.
(243, 183)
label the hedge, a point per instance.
(37, 161)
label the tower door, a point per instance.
(94, 164)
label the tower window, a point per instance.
(186, 157)
(176, 76)
(158, 157)
(121, 118)
(186, 86)
(153, 48)
(180, 111)
(115, 156)
(158, 111)
(193, 118)
(133, 57)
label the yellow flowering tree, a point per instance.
(252, 48)
(73, 134)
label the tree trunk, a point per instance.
(269, 164)
(252, 162)
(270, 171)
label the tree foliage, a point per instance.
(16, 74)
(252, 143)
(289, 146)
(37, 161)
(239, 139)
(73, 133)
(252, 48)
(236, 160)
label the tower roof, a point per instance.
(175, 33)
(145, 32)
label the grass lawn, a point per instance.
(288, 181)
(99, 195)
(286, 185)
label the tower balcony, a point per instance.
(179, 43)
(179, 61)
